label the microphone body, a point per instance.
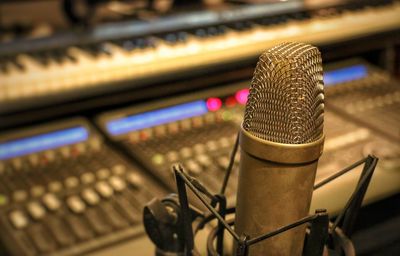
(281, 140)
(273, 193)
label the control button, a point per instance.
(80, 148)
(71, 182)
(95, 144)
(65, 152)
(51, 202)
(41, 238)
(80, 228)
(103, 173)
(211, 145)
(193, 167)
(18, 219)
(37, 191)
(197, 121)
(87, 178)
(75, 204)
(50, 155)
(104, 189)
(172, 156)
(204, 160)
(160, 130)
(209, 118)
(134, 179)
(224, 142)
(55, 186)
(157, 159)
(223, 162)
(117, 183)
(36, 210)
(118, 169)
(60, 231)
(146, 134)
(186, 124)
(33, 159)
(173, 128)
(199, 148)
(16, 163)
(20, 195)
(3, 200)
(134, 137)
(90, 196)
(186, 152)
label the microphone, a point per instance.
(281, 139)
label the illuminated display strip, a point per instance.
(157, 117)
(42, 142)
(345, 74)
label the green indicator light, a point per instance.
(3, 200)
(158, 159)
(226, 115)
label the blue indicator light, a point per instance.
(42, 142)
(157, 117)
(345, 74)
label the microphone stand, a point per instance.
(322, 236)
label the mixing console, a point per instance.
(374, 101)
(199, 131)
(134, 51)
(64, 192)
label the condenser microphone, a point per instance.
(281, 140)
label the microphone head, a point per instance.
(286, 99)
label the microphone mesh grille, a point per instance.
(286, 100)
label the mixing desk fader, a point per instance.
(63, 191)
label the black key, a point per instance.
(241, 26)
(16, 63)
(41, 58)
(4, 65)
(42, 238)
(70, 57)
(171, 38)
(201, 33)
(113, 216)
(60, 231)
(104, 48)
(128, 45)
(79, 227)
(212, 31)
(97, 221)
(182, 36)
(90, 49)
(141, 43)
(57, 56)
(132, 214)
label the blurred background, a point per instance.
(98, 98)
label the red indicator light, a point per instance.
(230, 101)
(213, 104)
(241, 96)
